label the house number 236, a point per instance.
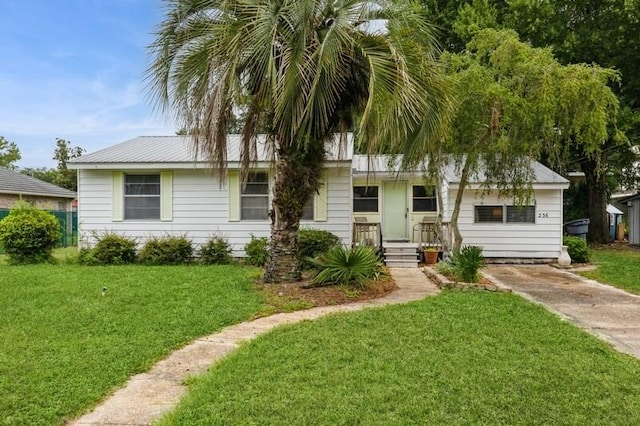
(543, 215)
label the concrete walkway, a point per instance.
(146, 397)
(607, 312)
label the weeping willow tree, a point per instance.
(516, 102)
(306, 70)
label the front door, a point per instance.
(394, 210)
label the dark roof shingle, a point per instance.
(16, 183)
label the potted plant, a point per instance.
(431, 255)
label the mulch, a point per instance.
(327, 295)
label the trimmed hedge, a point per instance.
(29, 235)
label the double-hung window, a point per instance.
(307, 210)
(365, 199)
(424, 199)
(254, 198)
(142, 197)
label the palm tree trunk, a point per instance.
(296, 179)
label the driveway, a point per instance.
(607, 312)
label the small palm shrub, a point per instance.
(216, 251)
(29, 235)
(257, 251)
(348, 266)
(468, 262)
(314, 242)
(166, 251)
(111, 249)
(577, 248)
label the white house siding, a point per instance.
(540, 240)
(200, 210)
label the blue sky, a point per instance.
(74, 69)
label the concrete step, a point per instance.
(400, 250)
(387, 245)
(410, 257)
(399, 263)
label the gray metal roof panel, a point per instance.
(390, 165)
(179, 149)
(17, 183)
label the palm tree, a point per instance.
(304, 70)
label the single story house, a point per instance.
(153, 186)
(15, 186)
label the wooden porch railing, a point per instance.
(428, 235)
(367, 234)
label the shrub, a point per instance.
(314, 242)
(577, 248)
(346, 266)
(257, 251)
(468, 262)
(216, 251)
(111, 249)
(448, 269)
(166, 251)
(29, 235)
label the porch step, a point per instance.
(400, 254)
(400, 264)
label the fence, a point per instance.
(68, 225)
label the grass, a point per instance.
(459, 358)
(618, 267)
(64, 346)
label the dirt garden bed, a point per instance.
(291, 296)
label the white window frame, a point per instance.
(245, 196)
(426, 197)
(504, 216)
(368, 187)
(157, 196)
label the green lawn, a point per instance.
(618, 267)
(459, 358)
(64, 346)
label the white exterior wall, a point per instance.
(200, 210)
(633, 222)
(541, 240)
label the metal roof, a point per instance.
(16, 183)
(386, 164)
(179, 149)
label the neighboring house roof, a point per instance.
(145, 150)
(16, 183)
(613, 210)
(629, 198)
(385, 164)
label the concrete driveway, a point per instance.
(607, 312)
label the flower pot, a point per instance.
(430, 257)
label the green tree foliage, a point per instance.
(29, 235)
(43, 173)
(578, 31)
(63, 153)
(9, 154)
(515, 102)
(306, 69)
